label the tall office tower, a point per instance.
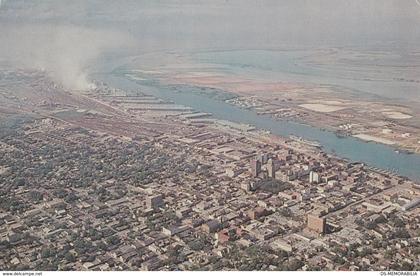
(154, 202)
(271, 168)
(255, 167)
(313, 177)
(317, 223)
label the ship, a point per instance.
(315, 144)
(403, 151)
(342, 134)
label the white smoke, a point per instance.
(64, 52)
(2, 2)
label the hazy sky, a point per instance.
(74, 32)
(230, 23)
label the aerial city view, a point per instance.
(239, 135)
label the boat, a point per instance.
(307, 142)
(403, 151)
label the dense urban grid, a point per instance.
(112, 180)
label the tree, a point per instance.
(285, 212)
(405, 266)
(45, 253)
(71, 197)
(36, 196)
(294, 264)
(398, 222)
(113, 240)
(389, 254)
(60, 193)
(70, 257)
(102, 246)
(402, 233)
(376, 243)
(20, 182)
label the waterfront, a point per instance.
(373, 154)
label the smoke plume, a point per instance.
(64, 52)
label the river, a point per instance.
(373, 154)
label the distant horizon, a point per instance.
(229, 24)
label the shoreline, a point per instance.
(315, 112)
(336, 147)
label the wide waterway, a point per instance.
(373, 154)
